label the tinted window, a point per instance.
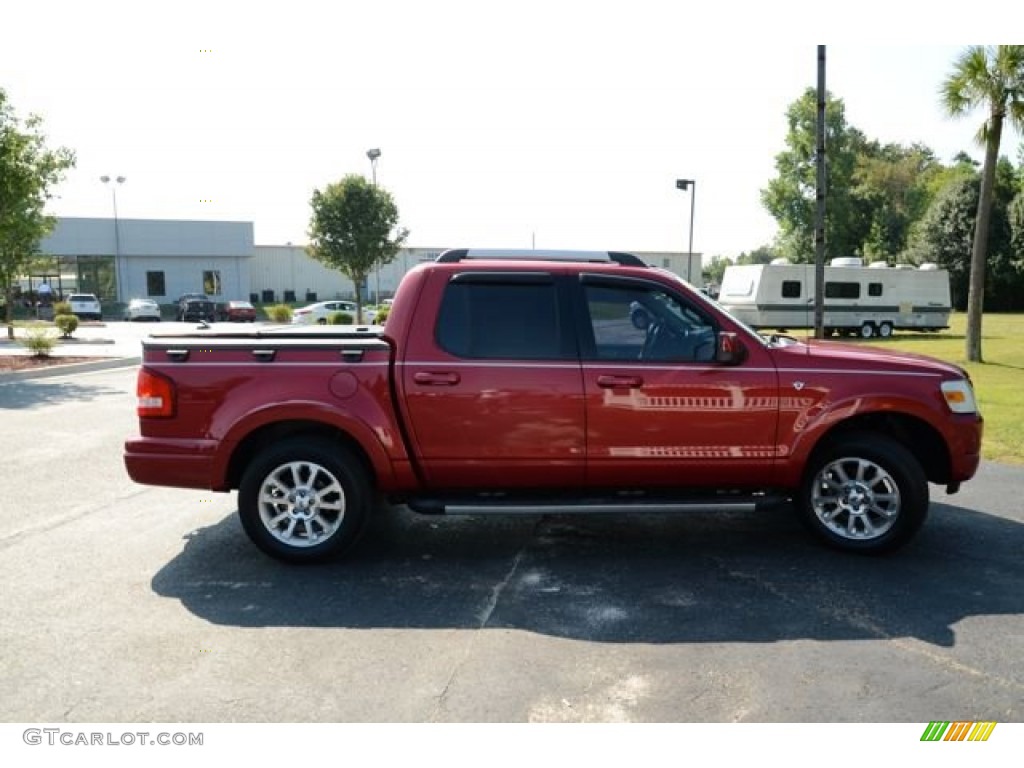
(874, 289)
(842, 290)
(481, 319)
(155, 284)
(646, 323)
(791, 289)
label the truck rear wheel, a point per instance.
(864, 493)
(304, 500)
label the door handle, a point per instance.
(618, 382)
(436, 379)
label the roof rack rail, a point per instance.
(465, 254)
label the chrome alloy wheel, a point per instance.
(855, 499)
(301, 504)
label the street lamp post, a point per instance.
(374, 155)
(117, 234)
(691, 185)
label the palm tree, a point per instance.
(992, 77)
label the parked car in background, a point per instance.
(317, 314)
(85, 306)
(142, 309)
(196, 306)
(236, 312)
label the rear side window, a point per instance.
(874, 289)
(791, 289)
(482, 317)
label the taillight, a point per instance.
(155, 395)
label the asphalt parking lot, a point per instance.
(140, 604)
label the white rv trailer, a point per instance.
(867, 301)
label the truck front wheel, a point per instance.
(864, 493)
(304, 500)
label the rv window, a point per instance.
(842, 290)
(791, 289)
(736, 284)
(874, 289)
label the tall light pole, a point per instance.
(691, 185)
(374, 155)
(117, 235)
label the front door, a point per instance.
(660, 411)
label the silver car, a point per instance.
(142, 309)
(85, 306)
(319, 312)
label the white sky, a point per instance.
(563, 124)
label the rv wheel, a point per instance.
(867, 331)
(885, 330)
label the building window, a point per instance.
(96, 275)
(791, 289)
(155, 284)
(874, 289)
(842, 290)
(211, 282)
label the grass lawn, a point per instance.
(998, 382)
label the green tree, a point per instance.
(945, 233)
(790, 197)
(28, 171)
(715, 269)
(991, 77)
(762, 255)
(893, 183)
(353, 228)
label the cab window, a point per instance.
(646, 323)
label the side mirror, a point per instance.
(729, 350)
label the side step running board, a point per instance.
(467, 506)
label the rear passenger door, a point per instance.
(493, 391)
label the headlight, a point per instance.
(959, 396)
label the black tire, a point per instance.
(885, 330)
(867, 331)
(304, 500)
(864, 493)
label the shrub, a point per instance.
(38, 340)
(382, 315)
(279, 313)
(66, 323)
(340, 318)
(62, 308)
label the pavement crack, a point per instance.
(483, 619)
(865, 623)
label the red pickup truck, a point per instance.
(549, 382)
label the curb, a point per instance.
(104, 364)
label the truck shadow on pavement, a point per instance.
(686, 579)
(38, 393)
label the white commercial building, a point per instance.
(161, 259)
